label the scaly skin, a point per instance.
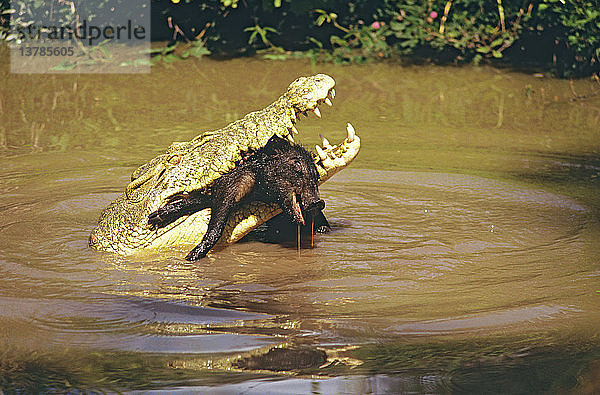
(123, 225)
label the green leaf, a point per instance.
(409, 43)
(275, 56)
(496, 54)
(199, 51)
(497, 42)
(336, 40)
(395, 25)
(170, 58)
(153, 50)
(141, 62)
(252, 37)
(277, 3)
(316, 42)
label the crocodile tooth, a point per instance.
(332, 92)
(325, 141)
(328, 102)
(294, 129)
(317, 112)
(351, 133)
(321, 153)
(290, 138)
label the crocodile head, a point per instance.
(193, 165)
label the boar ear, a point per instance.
(276, 144)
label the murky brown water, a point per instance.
(464, 254)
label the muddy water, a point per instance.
(464, 254)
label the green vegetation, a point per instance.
(562, 36)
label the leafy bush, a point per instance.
(561, 35)
(574, 27)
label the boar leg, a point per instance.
(227, 193)
(176, 209)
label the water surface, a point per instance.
(464, 254)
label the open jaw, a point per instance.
(193, 166)
(328, 155)
(329, 159)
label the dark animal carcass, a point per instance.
(281, 173)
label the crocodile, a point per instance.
(193, 165)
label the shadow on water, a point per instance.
(463, 255)
(576, 175)
(492, 365)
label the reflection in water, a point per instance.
(464, 243)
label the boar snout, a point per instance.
(315, 206)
